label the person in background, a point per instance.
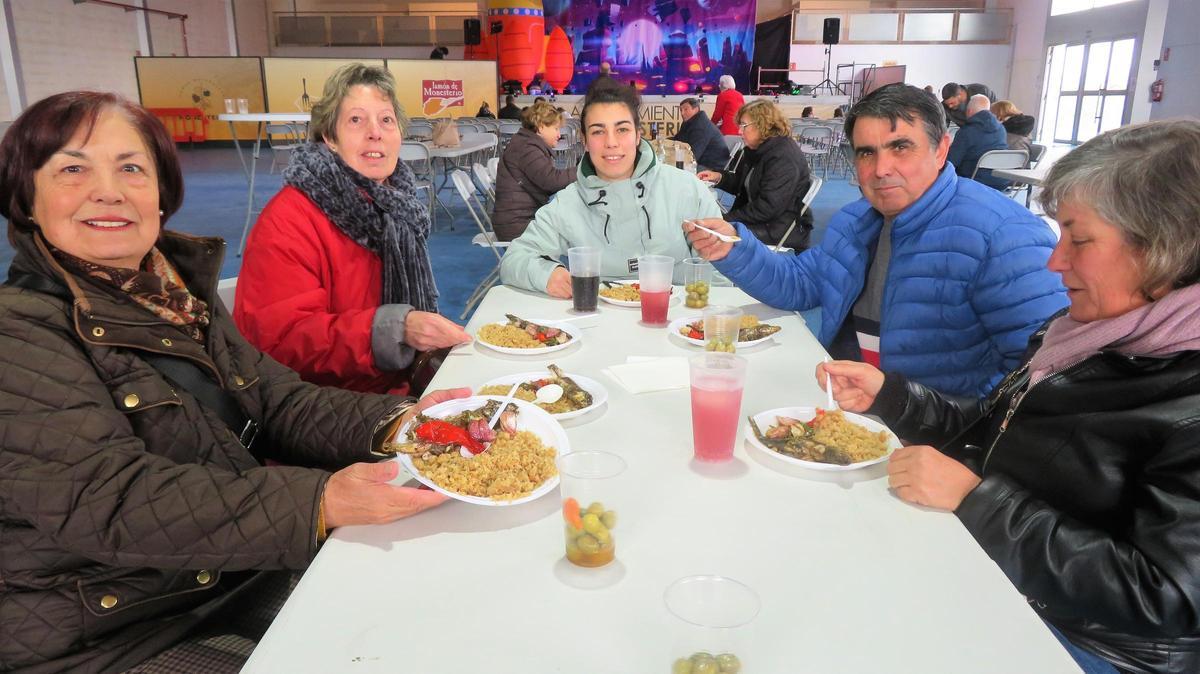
(955, 97)
(838, 113)
(510, 110)
(485, 112)
(929, 90)
(142, 530)
(1079, 475)
(336, 282)
(807, 112)
(622, 201)
(526, 176)
(932, 275)
(729, 101)
(982, 133)
(1017, 125)
(770, 181)
(708, 147)
(439, 53)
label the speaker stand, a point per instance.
(828, 84)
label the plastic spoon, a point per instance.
(724, 237)
(495, 417)
(829, 388)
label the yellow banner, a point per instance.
(203, 83)
(294, 84)
(444, 88)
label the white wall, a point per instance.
(1181, 95)
(1028, 51)
(934, 64)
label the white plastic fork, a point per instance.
(724, 237)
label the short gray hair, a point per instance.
(1142, 179)
(978, 103)
(337, 87)
(726, 82)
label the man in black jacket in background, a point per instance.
(510, 110)
(698, 131)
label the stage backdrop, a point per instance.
(202, 82)
(431, 88)
(665, 46)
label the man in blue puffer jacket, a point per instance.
(935, 276)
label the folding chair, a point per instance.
(733, 144)
(419, 131)
(485, 238)
(1002, 159)
(493, 165)
(485, 181)
(816, 142)
(292, 140)
(416, 155)
(809, 196)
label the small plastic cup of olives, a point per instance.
(588, 482)
(697, 279)
(721, 327)
(713, 615)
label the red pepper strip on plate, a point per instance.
(445, 433)
(695, 334)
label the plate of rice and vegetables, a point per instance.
(521, 337)
(451, 449)
(821, 439)
(580, 394)
(752, 332)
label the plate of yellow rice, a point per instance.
(857, 440)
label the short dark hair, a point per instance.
(509, 98)
(47, 126)
(603, 91)
(951, 90)
(695, 103)
(900, 101)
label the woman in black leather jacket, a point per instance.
(1080, 474)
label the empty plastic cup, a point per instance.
(243, 106)
(654, 279)
(229, 106)
(584, 265)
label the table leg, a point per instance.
(250, 198)
(237, 146)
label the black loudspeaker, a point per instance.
(496, 27)
(833, 30)
(472, 31)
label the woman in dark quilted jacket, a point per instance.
(137, 519)
(526, 176)
(1080, 474)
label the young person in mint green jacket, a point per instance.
(624, 202)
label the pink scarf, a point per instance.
(1170, 325)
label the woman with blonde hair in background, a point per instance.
(526, 176)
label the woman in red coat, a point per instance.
(337, 283)
(729, 101)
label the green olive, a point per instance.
(572, 545)
(592, 523)
(588, 544)
(711, 346)
(705, 667)
(609, 518)
(682, 666)
(596, 508)
(603, 537)
(729, 663)
(701, 656)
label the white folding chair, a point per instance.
(493, 165)
(733, 144)
(809, 197)
(851, 166)
(815, 143)
(291, 140)
(1002, 159)
(485, 181)
(227, 291)
(416, 155)
(419, 131)
(485, 238)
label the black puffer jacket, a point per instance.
(1090, 500)
(526, 178)
(128, 512)
(769, 184)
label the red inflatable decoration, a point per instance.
(560, 59)
(522, 47)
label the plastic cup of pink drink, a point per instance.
(717, 381)
(654, 282)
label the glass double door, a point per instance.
(1086, 88)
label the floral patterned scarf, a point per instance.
(156, 287)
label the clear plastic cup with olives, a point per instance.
(713, 614)
(697, 279)
(589, 514)
(721, 327)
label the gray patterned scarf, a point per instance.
(386, 219)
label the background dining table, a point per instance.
(850, 578)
